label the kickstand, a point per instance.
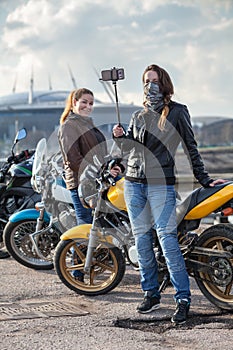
(165, 283)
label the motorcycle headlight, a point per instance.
(87, 193)
(36, 183)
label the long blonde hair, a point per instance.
(166, 88)
(74, 95)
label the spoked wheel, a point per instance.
(19, 244)
(106, 272)
(217, 282)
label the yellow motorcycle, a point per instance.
(100, 250)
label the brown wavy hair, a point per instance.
(166, 88)
(74, 95)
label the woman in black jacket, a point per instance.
(152, 139)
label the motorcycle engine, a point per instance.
(12, 204)
(67, 218)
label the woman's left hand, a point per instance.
(216, 182)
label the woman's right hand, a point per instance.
(116, 170)
(117, 131)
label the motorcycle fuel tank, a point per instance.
(22, 170)
(116, 195)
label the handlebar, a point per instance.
(111, 181)
(105, 173)
(25, 154)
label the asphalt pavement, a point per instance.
(38, 312)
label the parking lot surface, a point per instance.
(38, 312)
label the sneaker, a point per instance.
(181, 313)
(149, 304)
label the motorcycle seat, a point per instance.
(195, 197)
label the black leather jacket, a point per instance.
(152, 151)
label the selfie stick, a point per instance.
(117, 105)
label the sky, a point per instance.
(191, 39)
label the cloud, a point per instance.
(191, 39)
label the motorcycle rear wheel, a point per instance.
(18, 244)
(217, 287)
(4, 254)
(3, 251)
(106, 272)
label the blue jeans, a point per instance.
(153, 206)
(83, 215)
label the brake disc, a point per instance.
(221, 271)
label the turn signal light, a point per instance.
(227, 211)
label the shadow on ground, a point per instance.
(218, 320)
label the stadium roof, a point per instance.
(47, 99)
(38, 97)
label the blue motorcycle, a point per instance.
(31, 235)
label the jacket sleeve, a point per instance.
(190, 148)
(124, 142)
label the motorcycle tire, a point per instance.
(3, 251)
(4, 254)
(217, 287)
(106, 272)
(18, 244)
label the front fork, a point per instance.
(93, 238)
(39, 228)
(40, 220)
(92, 244)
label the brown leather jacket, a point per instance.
(79, 141)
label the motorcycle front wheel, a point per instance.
(20, 247)
(216, 283)
(106, 273)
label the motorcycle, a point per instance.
(16, 192)
(100, 250)
(31, 235)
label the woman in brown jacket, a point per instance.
(80, 140)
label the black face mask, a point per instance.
(153, 96)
